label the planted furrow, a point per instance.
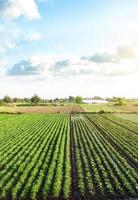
(130, 155)
(124, 123)
(40, 166)
(62, 156)
(52, 165)
(116, 161)
(20, 165)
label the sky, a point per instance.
(58, 48)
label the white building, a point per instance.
(92, 101)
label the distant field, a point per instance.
(70, 156)
(131, 107)
(111, 107)
(131, 117)
(67, 108)
(100, 107)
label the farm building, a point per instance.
(93, 101)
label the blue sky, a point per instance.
(73, 47)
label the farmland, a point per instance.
(99, 107)
(70, 107)
(130, 107)
(35, 156)
(106, 162)
(56, 108)
(70, 156)
(130, 117)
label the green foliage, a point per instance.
(35, 99)
(121, 102)
(129, 117)
(78, 99)
(7, 99)
(97, 98)
(35, 147)
(99, 164)
(101, 111)
(1, 102)
(98, 108)
(35, 156)
(71, 99)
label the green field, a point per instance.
(131, 117)
(48, 108)
(111, 107)
(70, 156)
(33, 148)
(99, 107)
(131, 107)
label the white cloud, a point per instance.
(3, 64)
(12, 9)
(121, 52)
(126, 51)
(34, 37)
(10, 45)
(54, 74)
(102, 58)
(1, 28)
(42, 0)
(35, 65)
(2, 50)
(9, 37)
(58, 47)
(71, 66)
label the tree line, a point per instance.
(35, 99)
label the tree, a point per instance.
(15, 99)
(121, 102)
(56, 100)
(7, 99)
(1, 102)
(71, 98)
(35, 99)
(26, 100)
(97, 98)
(78, 99)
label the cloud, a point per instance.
(34, 37)
(62, 64)
(74, 66)
(35, 65)
(12, 36)
(121, 52)
(43, 64)
(1, 28)
(3, 65)
(58, 47)
(99, 65)
(102, 58)
(10, 45)
(12, 9)
(2, 50)
(25, 67)
(127, 51)
(9, 36)
(42, 0)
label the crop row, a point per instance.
(120, 137)
(132, 126)
(101, 170)
(5, 117)
(39, 151)
(35, 159)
